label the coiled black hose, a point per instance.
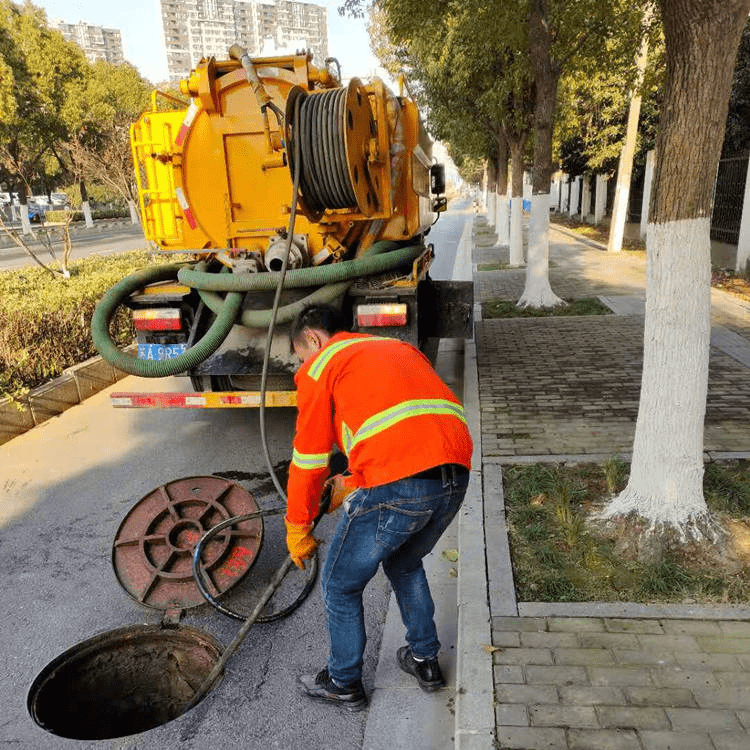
(311, 571)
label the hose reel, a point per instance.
(334, 128)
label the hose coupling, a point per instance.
(298, 254)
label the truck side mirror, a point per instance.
(437, 179)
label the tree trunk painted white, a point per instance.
(665, 483)
(586, 198)
(565, 196)
(516, 230)
(502, 219)
(86, 207)
(538, 292)
(619, 212)
(484, 189)
(133, 212)
(600, 199)
(648, 179)
(574, 193)
(491, 202)
(625, 165)
(742, 264)
(13, 212)
(25, 223)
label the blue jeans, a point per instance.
(395, 524)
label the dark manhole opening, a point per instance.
(122, 682)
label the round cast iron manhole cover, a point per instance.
(153, 548)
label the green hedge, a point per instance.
(45, 320)
(104, 213)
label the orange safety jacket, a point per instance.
(380, 401)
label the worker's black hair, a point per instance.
(318, 317)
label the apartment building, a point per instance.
(194, 29)
(97, 42)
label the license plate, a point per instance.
(159, 352)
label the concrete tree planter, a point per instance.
(75, 385)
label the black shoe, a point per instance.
(427, 672)
(322, 688)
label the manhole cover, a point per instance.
(122, 682)
(153, 548)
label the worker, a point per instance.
(409, 454)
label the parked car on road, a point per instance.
(36, 213)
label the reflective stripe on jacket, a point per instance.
(380, 401)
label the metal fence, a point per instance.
(729, 192)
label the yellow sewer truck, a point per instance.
(286, 187)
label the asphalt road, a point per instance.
(117, 239)
(444, 235)
(66, 486)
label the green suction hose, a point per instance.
(324, 295)
(196, 354)
(286, 314)
(334, 280)
(377, 260)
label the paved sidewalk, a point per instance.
(588, 675)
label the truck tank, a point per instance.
(276, 168)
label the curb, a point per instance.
(76, 384)
(474, 725)
(576, 236)
(634, 610)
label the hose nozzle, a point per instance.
(238, 52)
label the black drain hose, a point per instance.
(320, 124)
(268, 592)
(311, 572)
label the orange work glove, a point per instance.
(339, 491)
(300, 542)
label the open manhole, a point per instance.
(122, 682)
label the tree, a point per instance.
(40, 74)
(502, 216)
(563, 34)
(625, 167)
(114, 98)
(737, 137)
(546, 71)
(665, 484)
(474, 88)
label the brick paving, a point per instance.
(570, 387)
(566, 682)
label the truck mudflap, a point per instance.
(446, 309)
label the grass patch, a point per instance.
(559, 554)
(497, 308)
(45, 320)
(492, 266)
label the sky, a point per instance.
(140, 24)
